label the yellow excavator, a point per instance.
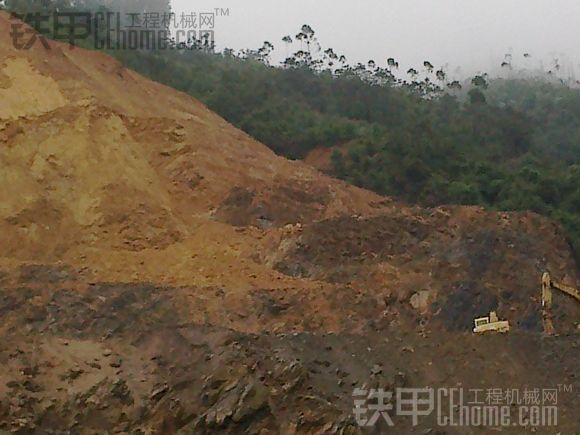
(547, 286)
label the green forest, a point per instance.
(501, 143)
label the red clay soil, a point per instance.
(163, 272)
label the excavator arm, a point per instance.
(547, 295)
(548, 285)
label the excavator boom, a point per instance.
(547, 286)
(570, 291)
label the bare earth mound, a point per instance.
(161, 271)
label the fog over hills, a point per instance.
(473, 35)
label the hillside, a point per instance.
(162, 271)
(503, 144)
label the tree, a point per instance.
(287, 40)
(306, 35)
(480, 81)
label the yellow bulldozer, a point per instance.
(547, 286)
(490, 324)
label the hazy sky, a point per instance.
(472, 33)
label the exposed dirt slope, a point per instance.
(161, 270)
